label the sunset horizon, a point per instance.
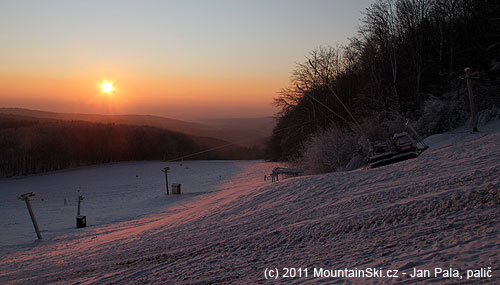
(188, 119)
(183, 60)
(249, 142)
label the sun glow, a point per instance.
(107, 87)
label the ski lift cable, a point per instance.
(329, 118)
(335, 94)
(329, 109)
(201, 152)
(350, 114)
(233, 143)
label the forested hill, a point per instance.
(407, 60)
(29, 145)
(245, 132)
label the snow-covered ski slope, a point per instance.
(112, 193)
(441, 210)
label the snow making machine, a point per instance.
(400, 147)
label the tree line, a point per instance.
(29, 146)
(405, 53)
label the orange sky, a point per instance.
(181, 59)
(176, 97)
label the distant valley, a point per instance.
(246, 132)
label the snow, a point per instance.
(439, 210)
(136, 189)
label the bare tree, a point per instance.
(410, 17)
(380, 30)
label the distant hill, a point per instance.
(146, 120)
(246, 132)
(30, 145)
(241, 129)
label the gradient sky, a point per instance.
(180, 59)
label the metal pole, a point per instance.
(166, 176)
(471, 100)
(166, 180)
(26, 199)
(416, 134)
(35, 224)
(80, 198)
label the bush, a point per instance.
(329, 150)
(441, 115)
(337, 149)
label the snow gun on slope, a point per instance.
(400, 147)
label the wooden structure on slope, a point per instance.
(286, 171)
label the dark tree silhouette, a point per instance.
(405, 52)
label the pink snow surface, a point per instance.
(439, 210)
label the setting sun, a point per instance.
(107, 87)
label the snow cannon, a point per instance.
(81, 221)
(176, 188)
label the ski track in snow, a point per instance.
(439, 210)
